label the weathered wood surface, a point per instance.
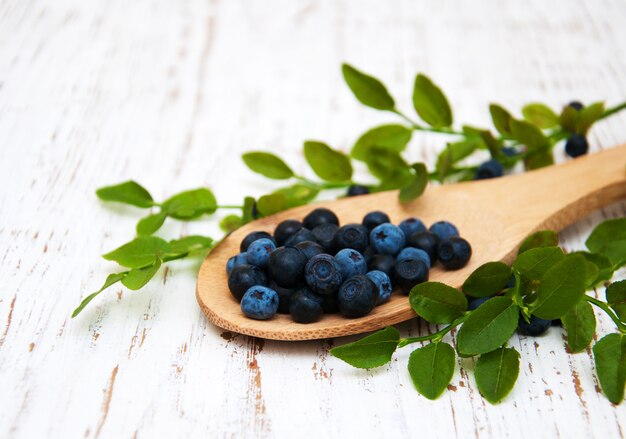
(170, 93)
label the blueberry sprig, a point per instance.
(542, 287)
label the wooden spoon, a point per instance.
(493, 215)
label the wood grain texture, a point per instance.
(171, 93)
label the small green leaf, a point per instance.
(393, 137)
(151, 223)
(580, 323)
(431, 368)
(129, 192)
(539, 159)
(272, 203)
(610, 358)
(267, 165)
(328, 164)
(430, 103)
(298, 194)
(534, 263)
(110, 280)
(487, 280)
(543, 238)
(616, 298)
(496, 373)
(588, 115)
(371, 351)
(609, 239)
(561, 288)
(605, 268)
(437, 303)
(540, 115)
(569, 119)
(190, 204)
(529, 135)
(417, 186)
(454, 153)
(367, 89)
(230, 223)
(248, 211)
(188, 244)
(390, 168)
(140, 252)
(501, 119)
(488, 327)
(138, 277)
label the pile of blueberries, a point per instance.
(315, 266)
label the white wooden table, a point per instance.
(171, 93)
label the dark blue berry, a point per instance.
(253, 236)
(387, 239)
(374, 219)
(324, 234)
(284, 296)
(309, 248)
(301, 235)
(305, 306)
(444, 229)
(260, 303)
(357, 296)
(350, 263)
(557, 322)
(259, 252)
(576, 105)
(286, 266)
(357, 189)
(475, 302)
(323, 275)
(489, 169)
(426, 241)
(410, 226)
(243, 277)
(285, 229)
(414, 253)
(380, 262)
(318, 217)
(350, 236)
(509, 151)
(383, 283)
(408, 273)
(576, 146)
(329, 304)
(454, 252)
(234, 261)
(535, 327)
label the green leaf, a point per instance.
(487, 280)
(189, 244)
(568, 119)
(501, 119)
(298, 194)
(328, 164)
(588, 115)
(430, 103)
(248, 211)
(488, 327)
(454, 153)
(230, 223)
(539, 159)
(493, 145)
(140, 252)
(561, 288)
(496, 373)
(267, 165)
(151, 223)
(272, 203)
(129, 192)
(138, 277)
(543, 238)
(609, 239)
(610, 358)
(540, 115)
(367, 89)
(616, 298)
(392, 137)
(580, 323)
(110, 280)
(417, 186)
(437, 303)
(431, 368)
(605, 268)
(190, 204)
(389, 168)
(371, 351)
(534, 263)
(529, 135)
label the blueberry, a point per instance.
(475, 302)
(357, 189)
(309, 248)
(286, 266)
(576, 146)
(329, 304)
(305, 306)
(350, 236)
(557, 322)
(323, 274)
(414, 253)
(243, 277)
(383, 283)
(380, 262)
(576, 105)
(375, 218)
(368, 253)
(253, 236)
(411, 225)
(387, 238)
(318, 217)
(535, 327)
(234, 261)
(509, 151)
(357, 296)
(259, 252)
(284, 296)
(285, 229)
(454, 252)
(260, 303)
(324, 235)
(426, 241)
(408, 273)
(350, 263)
(301, 235)
(444, 229)
(489, 169)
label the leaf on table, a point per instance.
(128, 192)
(543, 238)
(430, 103)
(367, 89)
(140, 252)
(371, 351)
(496, 373)
(580, 323)
(151, 223)
(190, 204)
(534, 263)
(610, 359)
(328, 164)
(268, 165)
(487, 280)
(431, 368)
(437, 303)
(393, 137)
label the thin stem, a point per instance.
(437, 336)
(611, 111)
(325, 185)
(229, 206)
(604, 307)
(416, 127)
